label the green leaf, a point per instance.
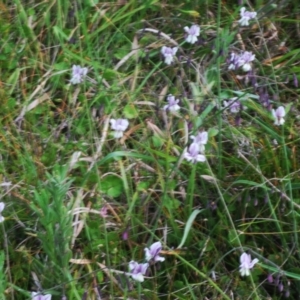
(157, 141)
(213, 132)
(130, 111)
(188, 226)
(170, 203)
(233, 237)
(112, 186)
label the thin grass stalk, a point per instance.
(218, 79)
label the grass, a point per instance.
(61, 168)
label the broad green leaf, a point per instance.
(112, 186)
(130, 111)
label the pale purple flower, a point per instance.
(201, 140)
(103, 211)
(125, 234)
(233, 104)
(246, 264)
(38, 296)
(78, 74)
(233, 61)
(153, 252)
(137, 271)
(2, 206)
(246, 16)
(245, 60)
(119, 126)
(295, 79)
(270, 278)
(168, 54)
(193, 33)
(280, 287)
(279, 115)
(241, 60)
(173, 104)
(192, 154)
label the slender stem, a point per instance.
(7, 259)
(218, 79)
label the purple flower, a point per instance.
(246, 16)
(78, 74)
(200, 139)
(2, 206)
(193, 33)
(246, 264)
(233, 61)
(38, 296)
(125, 234)
(192, 154)
(153, 252)
(168, 54)
(280, 287)
(119, 126)
(137, 271)
(295, 78)
(241, 60)
(103, 211)
(173, 104)
(264, 97)
(233, 104)
(245, 60)
(279, 115)
(270, 278)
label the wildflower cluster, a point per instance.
(279, 283)
(195, 152)
(192, 34)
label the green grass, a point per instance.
(64, 165)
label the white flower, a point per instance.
(246, 16)
(137, 271)
(279, 115)
(173, 104)
(2, 205)
(153, 252)
(233, 104)
(200, 139)
(246, 264)
(119, 126)
(38, 296)
(78, 74)
(168, 54)
(193, 33)
(192, 154)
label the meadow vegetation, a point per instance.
(149, 149)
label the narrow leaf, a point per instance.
(188, 226)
